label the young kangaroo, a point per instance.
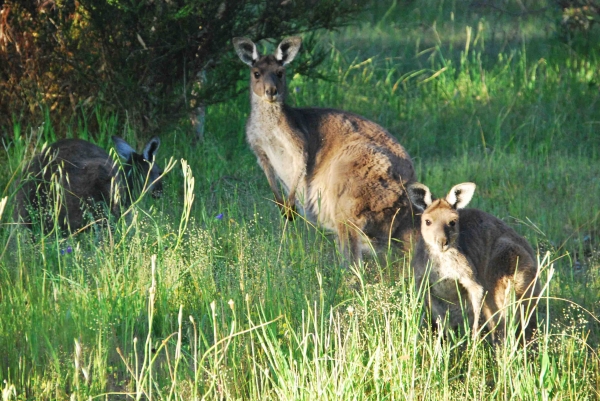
(338, 169)
(86, 175)
(473, 257)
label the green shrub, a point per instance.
(140, 57)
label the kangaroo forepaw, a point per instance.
(289, 212)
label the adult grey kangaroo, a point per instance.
(86, 176)
(473, 260)
(336, 168)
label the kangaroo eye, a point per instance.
(280, 74)
(452, 223)
(256, 74)
(428, 222)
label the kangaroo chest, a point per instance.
(447, 294)
(446, 270)
(284, 153)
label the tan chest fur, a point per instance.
(448, 293)
(265, 133)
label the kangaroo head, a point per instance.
(141, 167)
(439, 221)
(267, 73)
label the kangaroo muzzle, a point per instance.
(271, 93)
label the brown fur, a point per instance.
(87, 177)
(476, 253)
(338, 169)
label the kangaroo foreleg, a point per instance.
(349, 243)
(476, 292)
(284, 206)
(290, 206)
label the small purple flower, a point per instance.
(68, 249)
(219, 216)
(297, 89)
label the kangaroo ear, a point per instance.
(123, 148)
(151, 148)
(460, 195)
(419, 195)
(246, 50)
(287, 49)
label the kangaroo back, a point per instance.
(73, 181)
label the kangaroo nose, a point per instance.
(443, 243)
(271, 92)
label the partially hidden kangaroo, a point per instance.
(87, 177)
(336, 168)
(474, 260)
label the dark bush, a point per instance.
(580, 15)
(142, 58)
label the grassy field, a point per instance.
(212, 295)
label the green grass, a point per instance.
(253, 307)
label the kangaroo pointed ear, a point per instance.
(122, 147)
(287, 49)
(460, 195)
(246, 50)
(151, 148)
(419, 195)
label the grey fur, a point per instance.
(87, 176)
